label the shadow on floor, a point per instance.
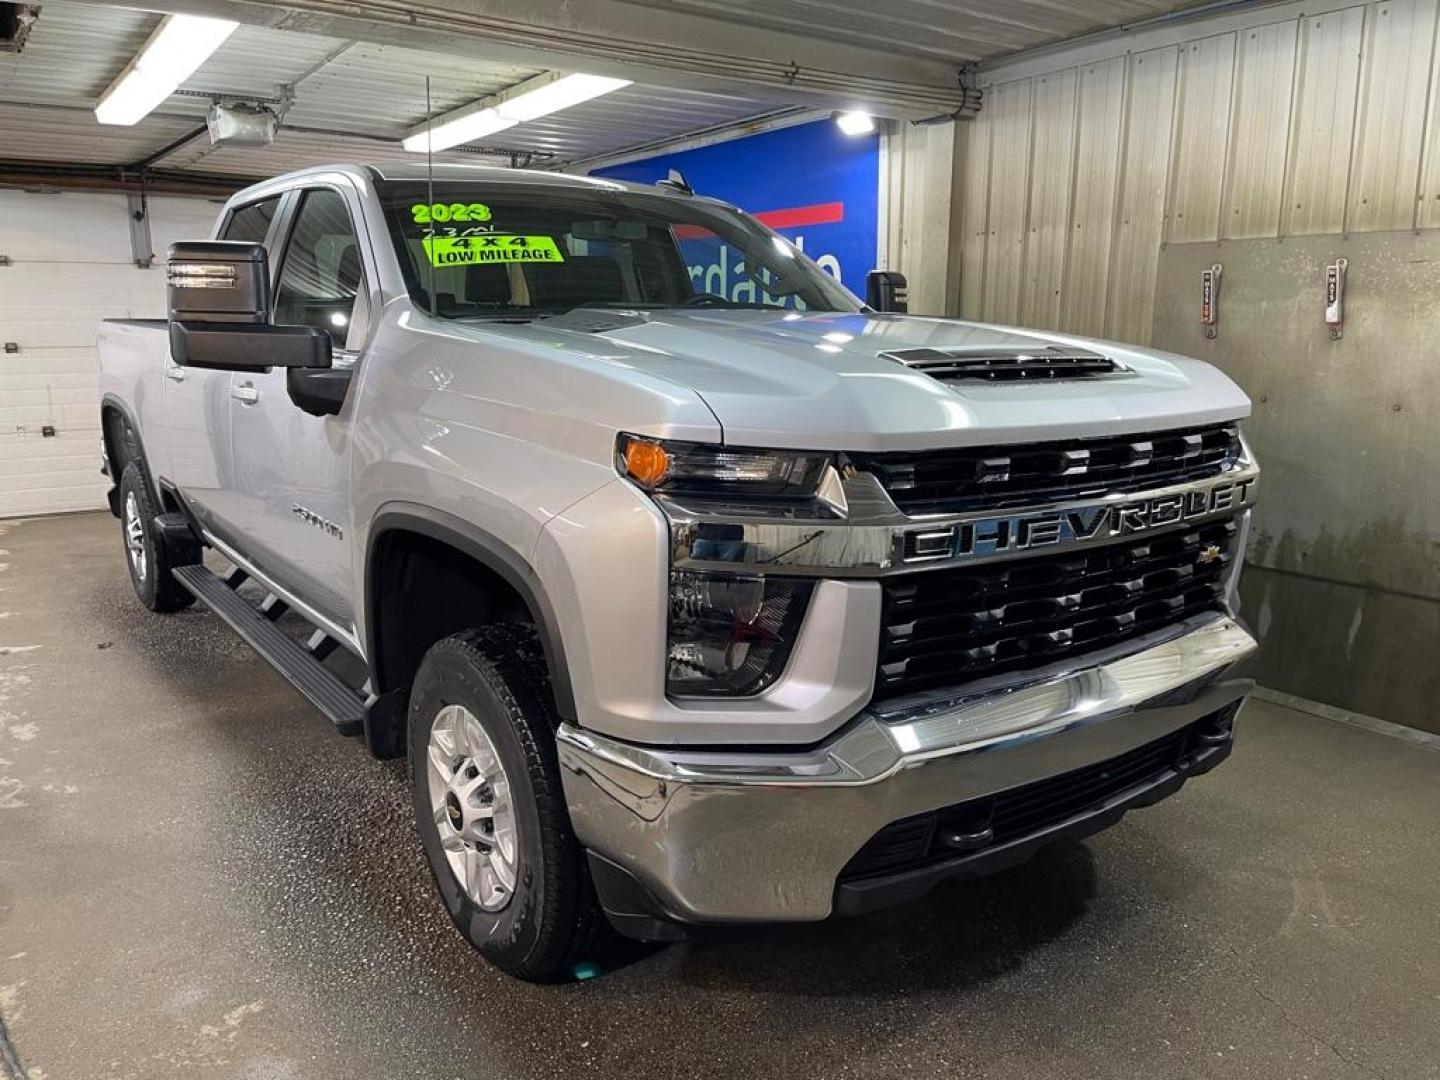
(959, 935)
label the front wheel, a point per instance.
(485, 781)
(146, 555)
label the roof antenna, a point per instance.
(429, 190)
(676, 182)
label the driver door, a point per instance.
(290, 469)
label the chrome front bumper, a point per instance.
(733, 836)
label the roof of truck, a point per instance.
(485, 174)
(492, 174)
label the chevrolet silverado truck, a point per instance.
(695, 590)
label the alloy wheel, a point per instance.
(471, 803)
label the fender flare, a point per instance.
(114, 401)
(489, 551)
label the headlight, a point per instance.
(704, 469)
(731, 634)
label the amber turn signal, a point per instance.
(647, 463)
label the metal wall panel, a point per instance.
(1052, 185)
(1144, 171)
(975, 220)
(1427, 210)
(1207, 73)
(1394, 78)
(1097, 174)
(1324, 122)
(1010, 116)
(921, 213)
(1260, 134)
(1327, 122)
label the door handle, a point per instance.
(175, 373)
(245, 393)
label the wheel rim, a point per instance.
(135, 535)
(472, 809)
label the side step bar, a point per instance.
(302, 667)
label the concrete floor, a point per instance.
(197, 877)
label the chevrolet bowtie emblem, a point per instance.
(1209, 553)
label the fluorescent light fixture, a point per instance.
(179, 45)
(855, 123)
(560, 94)
(463, 128)
(529, 101)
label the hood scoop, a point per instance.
(1005, 365)
(585, 320)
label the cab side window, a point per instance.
(320, 279)
(251, 223)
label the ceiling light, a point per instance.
(464, 128)
(855, 123)
(560, 94)
(179, 45)
(529, 101)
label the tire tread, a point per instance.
(511, 661)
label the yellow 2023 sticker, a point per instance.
(490, 248)
(425, 213)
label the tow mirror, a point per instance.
(886, 290)
(219, 310)
(218, 281)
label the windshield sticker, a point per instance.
(425, 213)
(490, 248)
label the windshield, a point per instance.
(521, 251)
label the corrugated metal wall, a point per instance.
(1308, 124)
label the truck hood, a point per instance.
(820, 381)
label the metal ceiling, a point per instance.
(339, 100)
(349, 99)
(957, 30)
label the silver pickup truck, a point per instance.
(695, 590)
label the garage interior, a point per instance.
(196, 876)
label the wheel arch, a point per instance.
(116, 418)
(397, 521)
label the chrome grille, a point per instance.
(940, 481)
(950, 365)
(947, 627)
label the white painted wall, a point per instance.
(70, 266)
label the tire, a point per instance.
(547, 919)
(148, 559)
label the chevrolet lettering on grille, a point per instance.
(1074, 526)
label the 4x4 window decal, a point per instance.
(490, 247)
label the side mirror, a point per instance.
(886, 290)
(218, 281)
(219, 301)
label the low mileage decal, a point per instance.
(489, 248)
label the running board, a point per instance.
(302, 666)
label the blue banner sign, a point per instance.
(813, 184)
